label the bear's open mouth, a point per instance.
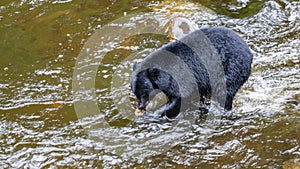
(139, 112)
(142, 105)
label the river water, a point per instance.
(41, 127)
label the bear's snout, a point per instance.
(142, 104)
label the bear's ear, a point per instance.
(135, 65)
(153, 73)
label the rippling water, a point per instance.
(41, 41)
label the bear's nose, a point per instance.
(141, 105)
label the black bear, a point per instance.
(235, 61)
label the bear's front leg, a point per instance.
(171, 108)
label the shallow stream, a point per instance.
(41, 42)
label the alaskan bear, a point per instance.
(235, 59)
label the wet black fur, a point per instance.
(236, 58)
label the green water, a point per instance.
(40, 44)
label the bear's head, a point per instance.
(142, 85)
